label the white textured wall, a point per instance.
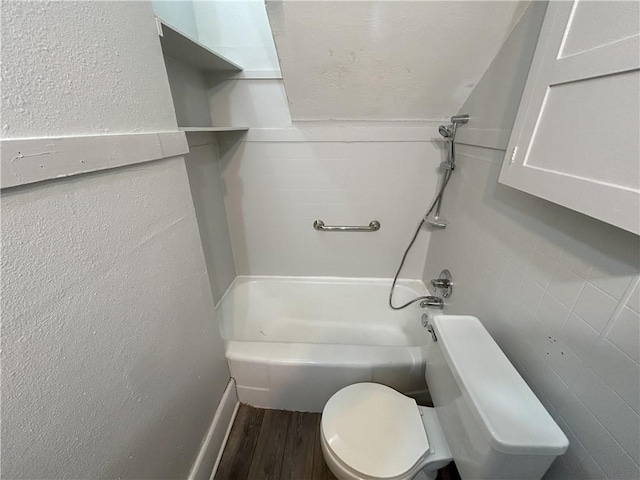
(275, 190)
(112, 365)
(373, 60)
(557, 290)
(68, 68)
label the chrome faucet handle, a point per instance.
(443, 284)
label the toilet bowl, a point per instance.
(400, 438)
(485, 417)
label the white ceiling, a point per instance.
(386, 60)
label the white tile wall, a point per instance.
(595, 307)
(564, 308)
(275, 190)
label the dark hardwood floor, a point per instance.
(279, 445)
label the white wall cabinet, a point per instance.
(576, 137)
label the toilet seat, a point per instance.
(374, 432)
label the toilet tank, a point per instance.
(495, 426)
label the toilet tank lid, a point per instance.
(514, 419)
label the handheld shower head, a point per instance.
(445, 131)
(449, 131)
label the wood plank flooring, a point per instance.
(279, 445)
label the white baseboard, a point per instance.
(213, 445)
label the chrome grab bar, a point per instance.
(319, 225)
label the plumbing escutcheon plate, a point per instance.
(446, 275)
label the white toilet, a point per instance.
(486, 418)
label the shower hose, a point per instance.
(445, 181)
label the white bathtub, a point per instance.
(292, 342)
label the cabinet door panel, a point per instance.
(595, 24)
(566, 119)
(576, 137)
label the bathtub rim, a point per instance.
(416, 286)
(403, 282)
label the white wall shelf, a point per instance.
(178, 45)
(197, 136)
(214, 129)
(188, 62)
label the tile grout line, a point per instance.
(619, 308)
